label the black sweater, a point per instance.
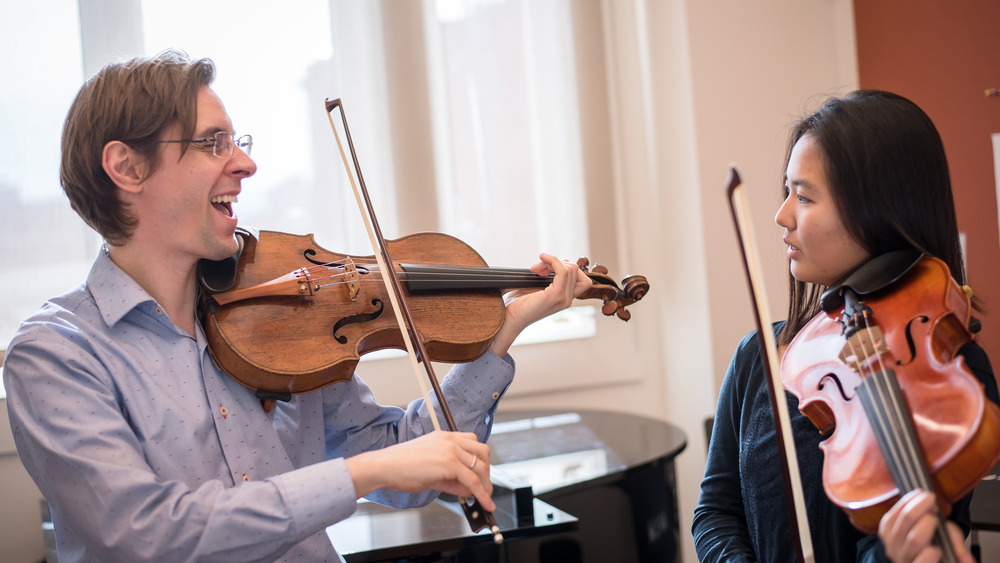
(742, 514)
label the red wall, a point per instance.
(943, 56)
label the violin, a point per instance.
(877, 372)
(286, 316)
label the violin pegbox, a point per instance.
(614, 297)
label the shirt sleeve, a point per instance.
(74, 438)
(355, 422)
(719, 523)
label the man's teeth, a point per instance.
(224, 199)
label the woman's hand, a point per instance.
(907, 531)
(526, 307)
(452, 462)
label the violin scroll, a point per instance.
(615, 297)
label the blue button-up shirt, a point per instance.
(145, 450)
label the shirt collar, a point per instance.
(114, 291)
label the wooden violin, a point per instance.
(877, 371)
(287, 316)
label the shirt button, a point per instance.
(496, 395)
(159, 310)
(223, 411)
(246, 477)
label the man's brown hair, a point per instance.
(132, 102)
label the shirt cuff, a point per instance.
(318, 495)
(485, 379)
(480, 384)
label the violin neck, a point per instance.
(421, 277)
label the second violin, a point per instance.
(877, 371)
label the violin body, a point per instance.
(922, 320)
(298, 343)
(295, 317)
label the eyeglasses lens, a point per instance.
(223, 144)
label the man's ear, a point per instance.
(122, 165)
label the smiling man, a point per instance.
(145, 450)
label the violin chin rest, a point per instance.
(879, 272)
(216, 276)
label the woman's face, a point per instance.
(820, 250)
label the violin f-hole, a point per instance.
(910, 343)
(309, 253)
(836, 380)
(359, 318)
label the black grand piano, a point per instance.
(571, 487)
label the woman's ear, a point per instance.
(122, 165)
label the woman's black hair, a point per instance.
(886, 168)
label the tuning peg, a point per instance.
(610, 306)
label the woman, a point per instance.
(866, 174)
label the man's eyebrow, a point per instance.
(208, 132)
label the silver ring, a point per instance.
(474, 460)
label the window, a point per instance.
(465, 114)
(273, 89)
(506, 125)
(44, 247)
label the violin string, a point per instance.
(899, 448)
(916, 474)
(876, 417)
(881, 423)
(485, 270)
(897, 437)
(336, 280)
(898, 440)
(913, 470)
(911, 458)
(514, 277)
(457, 271)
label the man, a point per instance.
(144, 449)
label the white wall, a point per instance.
(691, 87)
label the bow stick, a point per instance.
(779, 408)
(478, 517)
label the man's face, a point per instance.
(186, 206)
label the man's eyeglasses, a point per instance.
(222, 143)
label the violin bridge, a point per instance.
(352, 279)
(864, 346)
